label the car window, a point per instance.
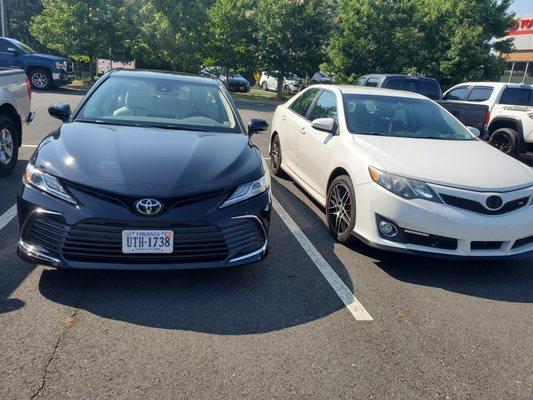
(457, 94)
(395, 83)
(373, 82)
(360, 82)
(160, 102)
(517, 96)
(302, 103)
(324, 107)
(480, 93)
(401, 117)
(4, 44)
(429, 88)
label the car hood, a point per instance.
(148, 161)
(47, 57)
(233, 79)
(472, 165)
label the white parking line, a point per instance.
(6, 217)
(33, 146)
(352, 304)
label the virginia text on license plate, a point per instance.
(147, 242)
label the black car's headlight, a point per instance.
(406, 188)
(248, 190)
(46, 182)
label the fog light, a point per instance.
(388, 229)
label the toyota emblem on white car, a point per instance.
(149, 206)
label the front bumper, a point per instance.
(62, 78)
(441, 230)
(58, 234)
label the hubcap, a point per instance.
(39, 80)
(502, 142)
(275, 154)
(340, 208)
(6, 147)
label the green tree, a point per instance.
(85, 28)
(18, 15)
(231, 42)
(292, 34)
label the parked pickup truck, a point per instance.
(471, 115)
(15, 111)
(43, 70)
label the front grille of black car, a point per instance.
(69, 67)
(101, 241)
(47, 232)
(477, 207)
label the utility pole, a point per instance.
(2, 11)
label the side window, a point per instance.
(394, 83)
(373, 82)
(325, 107)
(510, 96)
(4, 44)
(457, 94)
(480, 93)
(360, 82)
(430, 88)
(302, 103)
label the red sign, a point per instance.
(522, 27)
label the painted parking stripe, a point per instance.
(6, 217)
(32, 146)
(352, 304)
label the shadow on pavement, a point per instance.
(282, 291)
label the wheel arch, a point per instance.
(338, 171)
(506, 122)
(9, 111)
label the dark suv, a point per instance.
(428, 87)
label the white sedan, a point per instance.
(399, 172)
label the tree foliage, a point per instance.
(18, 15)
(451, 40)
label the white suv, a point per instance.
(510, 125)
(269, 81)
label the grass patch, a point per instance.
(257, 94)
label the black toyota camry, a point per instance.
(153, 170)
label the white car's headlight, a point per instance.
(406, 188)
(248, 190)
(46, 182)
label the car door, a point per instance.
(292, 121)
(314, 146)
(272, 80)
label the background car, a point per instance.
(322, 77)
(44, 70)
(135, 179)
(236, 83)
(291, 82)
(400, 173)
(510, 105)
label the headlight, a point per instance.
(248, 190)
(46, 182)
(404, 187)
(60, 64)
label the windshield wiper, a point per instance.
(173, 127)
(96, 121)
(369, 133)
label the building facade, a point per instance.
(520, 63)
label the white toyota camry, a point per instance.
(399, 172)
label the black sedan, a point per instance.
(153, 170)
(236, 83)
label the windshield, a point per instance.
(401, 117)
(160, 102)
(24, 47)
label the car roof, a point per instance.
(179, 76)
(494, 84)
(353, 89)
(427, 78)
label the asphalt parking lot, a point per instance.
(315, 320)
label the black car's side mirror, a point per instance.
(60, 111)
(257, 125)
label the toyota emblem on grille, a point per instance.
(149, 206)
(494, 202)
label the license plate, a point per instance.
(143, 242)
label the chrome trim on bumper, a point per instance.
(262, 250)
(37, 252)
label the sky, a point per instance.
(522, 7)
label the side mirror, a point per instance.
(474, 131)
(60, 111)
(325, 124)
(12, 50)
(257, 125)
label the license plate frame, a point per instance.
(149, 241)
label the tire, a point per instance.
(340, 209)
(506, 140)
(264, 86)
(275, 157)
(40, 79)
(9, 148)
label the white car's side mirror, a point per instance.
(474, 131)
(325, 124)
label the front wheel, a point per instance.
(40, 79)
(505, 140)
(8, 146)
(275, 156)
(264, 86)
(340, 209)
